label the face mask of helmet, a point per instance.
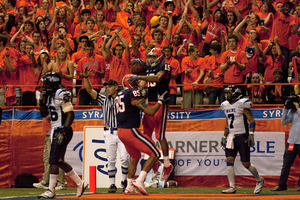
(153, 57)
(152, 60)
(236, 93)
(51, 81)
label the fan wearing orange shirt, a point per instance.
(233, 62)
(36, 37)
(294, 38)
(192, 67)
(96, 65)
(250, 45)
(8, 64)
(136, 50)
(217, 76)
(28, 28)
(243, 6)
(10, 6)
(96, 6)
(283, 22)
(81, 28)
(26, 73)
(176, 70)
(158, 35)
(77, 56)
(124, 18)
(119, 64)
(214, 28)
(63, 67)
(149, 9)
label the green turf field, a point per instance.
(19, 192)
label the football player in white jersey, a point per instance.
(56, 101)
(237, 137)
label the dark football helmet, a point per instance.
(51, 81)
(236, 93)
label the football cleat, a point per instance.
(47, 195)
(81, 188)
(166, 172)
(230, 190)
(259, 186)
(133, 192)
(140, 186)
(112, 188)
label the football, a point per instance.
(171, 184)
(137, 69)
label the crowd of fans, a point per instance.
(216, 42)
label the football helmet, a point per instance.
(51, 81)
(236, 93)
(153, 57)
(126, 84)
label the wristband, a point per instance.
(224, 136)
(159, 102)
(251, 133)
(226, 129)
(86, 77)
(252, 125)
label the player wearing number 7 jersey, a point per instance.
(129, 102)
(158, 78)
(237, 137)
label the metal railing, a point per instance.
(180, 96)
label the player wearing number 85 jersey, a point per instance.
(237, 137)
(129, 102)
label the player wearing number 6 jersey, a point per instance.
(56, 101)
(237, 137)
(129, 102)
(158, 78)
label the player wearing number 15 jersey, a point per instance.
(237, 137)
(158, 78)
(129, 102)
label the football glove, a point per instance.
(164, 97)
(60, 135)
(133, 78)
(223, 142)
(43, 96)
(250, 139)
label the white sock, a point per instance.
(112, 176)
(142, 176)
(129, 184)
(73, 175)
(166, 161)
(231, 176)
(112, 180)
(52, 182)
(254, 172)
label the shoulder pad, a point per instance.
(63, 94)
(135, 93)
(224, 104)
(245, 103)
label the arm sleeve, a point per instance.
(286, 117)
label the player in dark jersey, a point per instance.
(129, 103)
(158, 76)
(56, 101)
